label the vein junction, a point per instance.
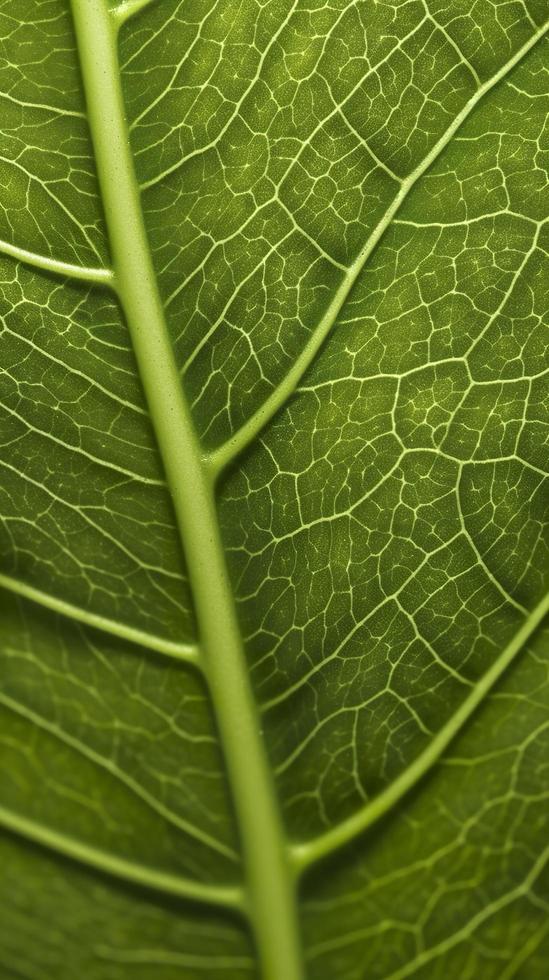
(377, 421)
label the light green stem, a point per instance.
(272, 901)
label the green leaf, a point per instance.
(273, 549)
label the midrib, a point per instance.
(270, 884)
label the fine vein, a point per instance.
(223, 456)
(102, 762)
(269, 877)
(312, 851)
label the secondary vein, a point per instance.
(186, 653)
(221, 457)
(123, 868)
(102, 277)
(132, 785)
(308, 853)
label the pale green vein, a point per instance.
(509, 291)
(358, 626)
(480, 558)
(122, 868)
(467, 931)
(461, 57)
(528, 950)
(337, 111)
(208, 334)
(234, 113)
(33, 179)
(225, 454)
(42, 107)
(303, 231)
(506, 212)
(362, 142)
(105, 464)
(269, 881)
(308, 853)
(102, 277)
(43, 351)
(154, 804)
(185, 653)
(385, 925)
(82, 511)
(129, 8)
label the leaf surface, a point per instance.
(273, 549)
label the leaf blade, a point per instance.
(382, 504)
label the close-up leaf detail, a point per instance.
(274, 688)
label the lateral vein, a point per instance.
(123, 868)
(184, 826)
(102, 277)
(310, 852)
(221, 457)
(185, 653)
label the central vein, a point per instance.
(270, 886)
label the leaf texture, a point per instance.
(273, 542)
